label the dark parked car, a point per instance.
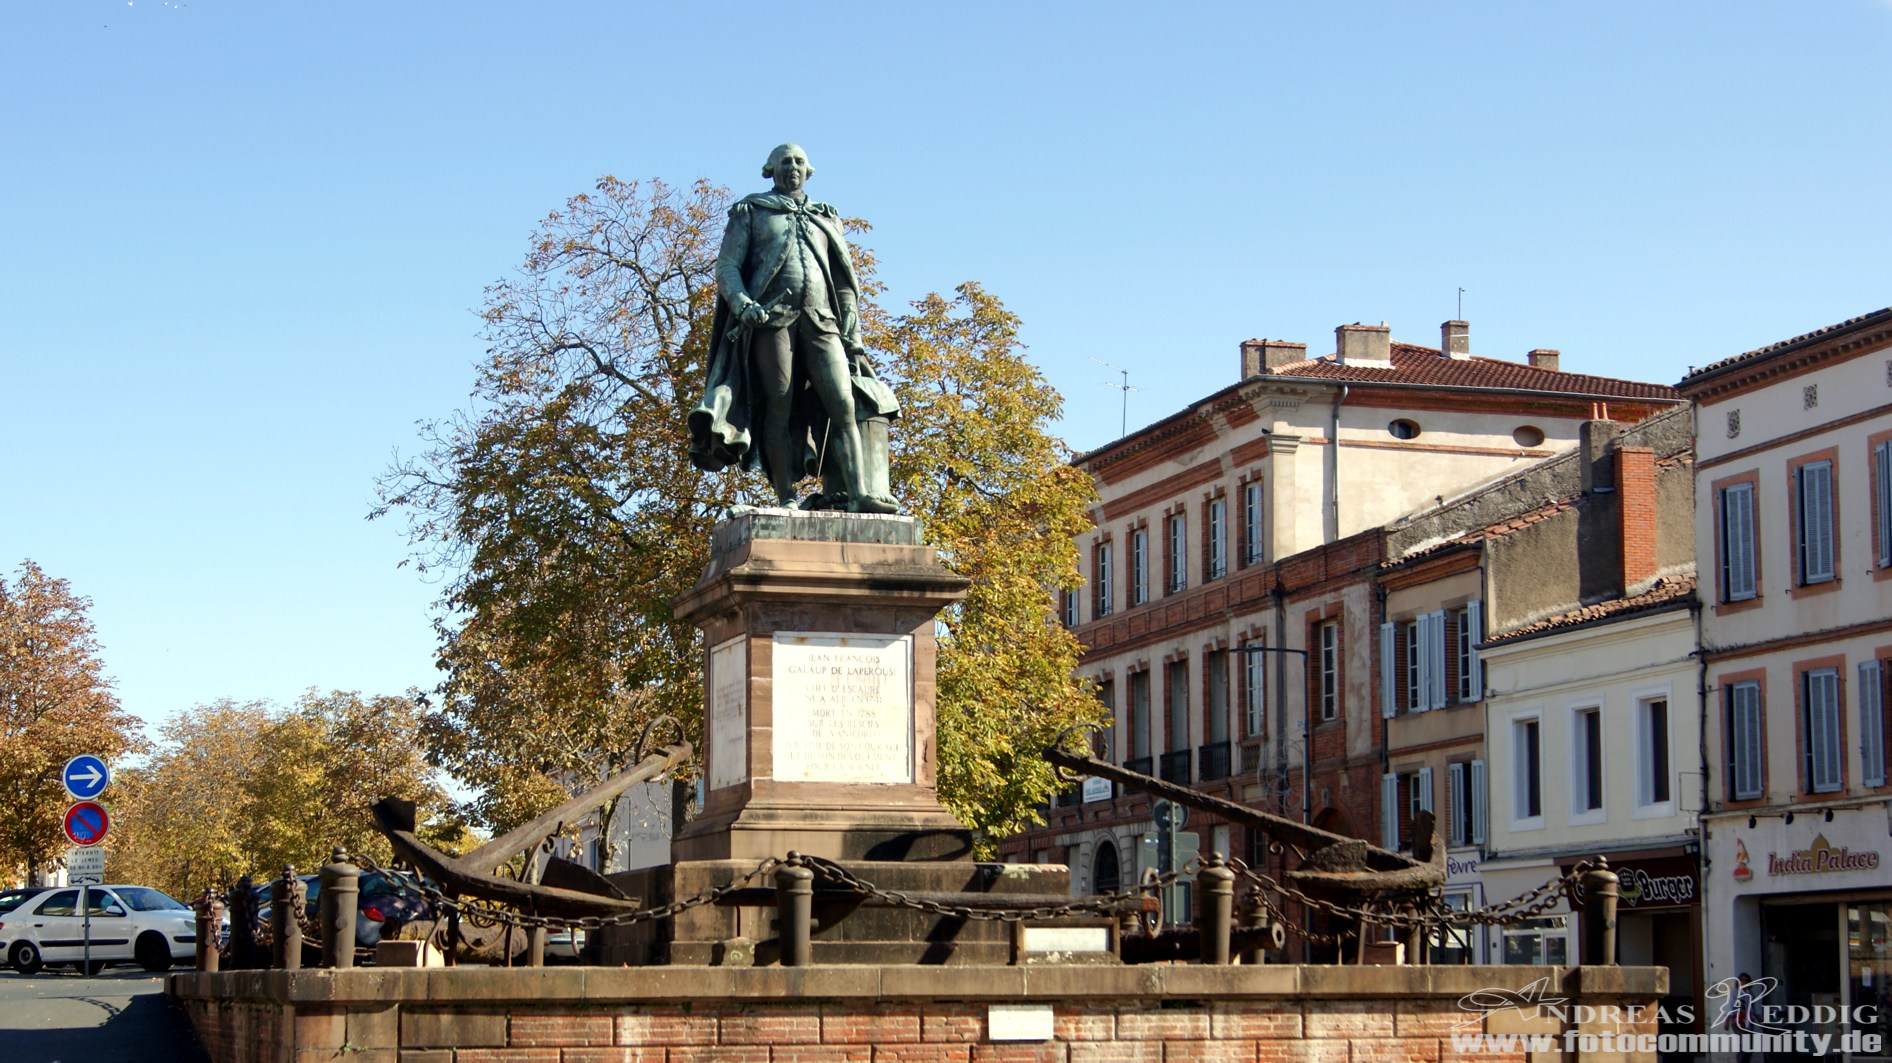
(388, 899)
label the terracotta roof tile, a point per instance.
(1413, 364)
(1775, 348)
(1665, 591)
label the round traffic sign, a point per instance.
(85, 776)
(86, 823)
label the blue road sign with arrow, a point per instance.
(86, 776)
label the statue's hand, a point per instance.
(754, 313)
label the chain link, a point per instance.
(1110, 904)
(1423, 909)
(1427, 910)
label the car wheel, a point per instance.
(25, 958)
(152, 953)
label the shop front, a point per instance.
(1659, 924)
(1803, 903)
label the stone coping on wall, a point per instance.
(645, 985)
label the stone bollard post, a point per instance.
(1253, 918)
(286, 896)
(1215, 901)
(340, 897)
(794, 911)
(209, 928)
(1601, 888)
(245, 951)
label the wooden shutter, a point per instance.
(1458, 812)
(1389, 677)
(1389, 811)
(1882, 461)
(1744, 740)
(1816, 522)
(1737, 542)
(1425, 789)
(1478, 801)
(1475, 616)
(1435, 654)
(1824, 772)
(1871, 725)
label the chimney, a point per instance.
(1455, 340)
(1368, 345)
(1595, 440)
(1544, 358)
(1636, 495)
(1266, 356)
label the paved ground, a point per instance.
(56, 1016)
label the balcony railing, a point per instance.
(1140, 765)
(1212, 761)
(1175, 767)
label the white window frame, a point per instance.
(1070, 607)
(1254, 510)
(1584, 715)
(1328, 634)
(1412, 692)
(1178, 525)
(1813, 517)
(1216, 523)
(1255, 690)
(1102, 600)
(1525, 771)
(1139, 566)
(1871, 724)
(1647, 805)
(1747, 744)
(1820, 716)
(1739, 565)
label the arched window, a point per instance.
(1105, 877)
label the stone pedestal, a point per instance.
(818, 708)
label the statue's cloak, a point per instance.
(723, 422)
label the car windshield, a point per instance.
(146, 899)
(12, 899)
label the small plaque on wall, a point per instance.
(728, 713)
(843, 708)
(1018, 1022)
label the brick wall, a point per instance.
(1161, 1014)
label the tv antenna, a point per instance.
(1123, 428)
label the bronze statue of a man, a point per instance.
(785, 351)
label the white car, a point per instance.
(130, 924)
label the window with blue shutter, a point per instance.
(1820, 698)
(1737, 543)
(1814, 486)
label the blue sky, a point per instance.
(243, 241)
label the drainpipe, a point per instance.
(1280, 597)
(1333, 451)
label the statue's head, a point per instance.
(788, 166)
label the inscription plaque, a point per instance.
(843, 708)
(728, 714)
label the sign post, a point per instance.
(86, 823)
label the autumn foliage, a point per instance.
(568, 518)
(55, 703)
